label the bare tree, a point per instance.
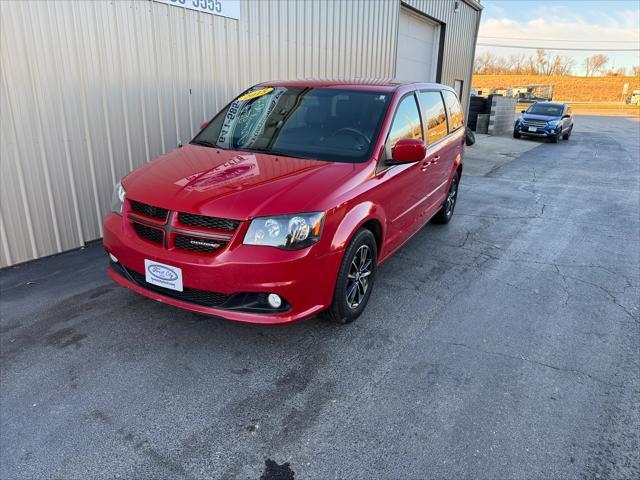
(542, 63)
(561, 66)
(485, 63)
(635, 71)
(616, 72)
(595, 64)
(517, 64)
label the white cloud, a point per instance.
(559, 22)
(563, 27)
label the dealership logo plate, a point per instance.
(163, 275)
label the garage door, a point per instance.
(418, 40)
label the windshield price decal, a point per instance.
(242, 122)
(255, 94)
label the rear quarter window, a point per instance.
(454, 110)
(433, 115)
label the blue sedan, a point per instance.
(545, 119)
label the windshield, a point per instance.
(546, 109)
(335, 125)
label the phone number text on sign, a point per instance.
(224, 8)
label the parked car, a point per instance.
(545, 119)
(634, 97)
(285, 203)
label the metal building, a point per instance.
(93, 89)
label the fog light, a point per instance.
(274, 300)
(113, 258)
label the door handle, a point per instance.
(426, 163)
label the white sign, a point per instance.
(224, 8)
(163, 275)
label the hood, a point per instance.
(231, 184)
(546, 118)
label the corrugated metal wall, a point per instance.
(460, 38)
(90, 90)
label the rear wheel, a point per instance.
(355, 278)
(446, 212)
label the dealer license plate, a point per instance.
(163, 275)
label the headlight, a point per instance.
(554, 123)
(117, 198)
(289, 232)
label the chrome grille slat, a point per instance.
(535, 123)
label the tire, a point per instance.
(470, 138)
(568, 134)
(555, 138)
(516, 134)
(446, 212)
(348, 304)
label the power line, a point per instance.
(561, 40)
(526, 47)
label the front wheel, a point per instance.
(516, 134)
(355, 278)
(568, 134)
(446, 212)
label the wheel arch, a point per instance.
(364, 215)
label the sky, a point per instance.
(597, 24)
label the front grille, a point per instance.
(149, 210)
(535, 123)
(191, 295)
(197, 244)
(148, 233)
(213, 223)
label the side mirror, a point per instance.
(408, 150)
(203, 125)
(566, 116)
(523, 111)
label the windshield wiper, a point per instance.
(204, 143)
(271, 152)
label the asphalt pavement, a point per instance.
(504, 345)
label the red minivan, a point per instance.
(285, 204)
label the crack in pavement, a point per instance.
(532, 362)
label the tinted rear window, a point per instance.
(337, 125)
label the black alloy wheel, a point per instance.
(355, 280)
(446, 212)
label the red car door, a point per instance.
(440, 150)
(400, 188)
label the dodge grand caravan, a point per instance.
(285, 204)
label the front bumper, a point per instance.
(305, 278)
(546, 131)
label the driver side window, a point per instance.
(406, 123)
